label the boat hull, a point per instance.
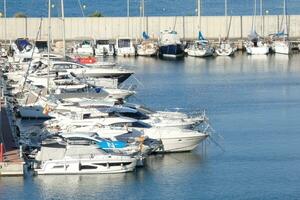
(85, 166)
(263, 50)
(181, 144)
(171, 51)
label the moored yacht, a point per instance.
(79, 156)
(170, 44)
(124, 47)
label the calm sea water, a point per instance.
(253, 102)
(38, 8)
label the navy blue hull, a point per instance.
(171, 51)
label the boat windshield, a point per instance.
(124, 43)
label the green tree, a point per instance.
(96, 14)
(20, 15)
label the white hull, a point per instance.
(84, 51)
(33, 112)
(224, 52)
(262, 50)
(180, 144)
(200, 53)
(104, 50)
(125, 52)
(86, 166)
(147, 52)
(282, 48)
(175, 139)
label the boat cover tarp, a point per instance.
(22, 44)
(145, 36)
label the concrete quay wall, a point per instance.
(113, 27)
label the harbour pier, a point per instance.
(11, 161)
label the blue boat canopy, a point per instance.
(22, 43)
(112, 144)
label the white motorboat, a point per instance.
(23, 49)
(76, 157)
(104, 48)
(83, 71)
(170, 45)
(173, 139)
(200, 48)
(86, 47)
(124, 47)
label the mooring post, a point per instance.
(1, 152)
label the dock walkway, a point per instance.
(12, 164)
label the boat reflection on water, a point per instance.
(81, 186)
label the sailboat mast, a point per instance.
(63, 27)
(199, 14)
(225, 13)
(128, 14)
(143, 14)
(284, 15)
(261, 17)
(254, 17)
(49, 31)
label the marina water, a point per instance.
(253, 103)
(38, 8)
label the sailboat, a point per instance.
(147, 47)
(281, 43)
(200, 47)
(226, 48)
(255, 44)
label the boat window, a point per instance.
(74, 66)
(79, 141)
(137, 115)
(86, 116)
(119, 163)
(101, 164)
(58, 166)
(87, 167)
(124, 43)
(61, 66)
(102, 42)
(140, 124)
